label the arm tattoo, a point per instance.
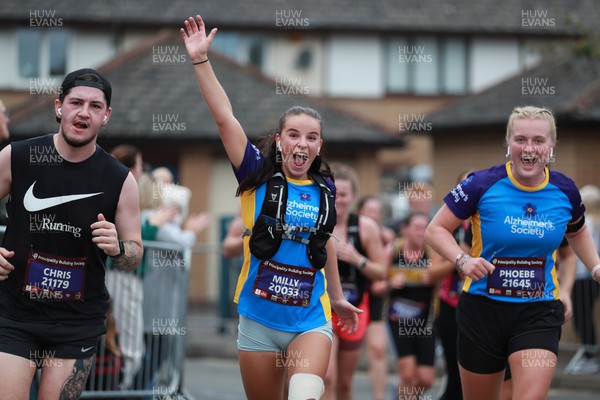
(130, 258)
(75, 383)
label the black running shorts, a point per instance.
(36, 341)
(489, 330)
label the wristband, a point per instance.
(594, 270)
(361, 264)
(200, 62)
(458, 257)
(121, 250)
(463, 262)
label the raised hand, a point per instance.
(195, 39)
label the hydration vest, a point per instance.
(270, 228)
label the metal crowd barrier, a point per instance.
(151, 338)
(228, 274)
(581, 333)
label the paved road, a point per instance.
(219, 379)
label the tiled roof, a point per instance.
(158, 98)
(460, 16)
(570, 87)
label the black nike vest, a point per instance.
(52, 204)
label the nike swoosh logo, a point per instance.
(33, 204)
(86, 349)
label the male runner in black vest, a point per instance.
(71, 206)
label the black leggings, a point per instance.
(585, 293)
(447, 331)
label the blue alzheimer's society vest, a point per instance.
(518, 229)
(284, 291)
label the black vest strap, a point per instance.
(271, 228)
(267, 234)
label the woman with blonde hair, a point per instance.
(510, 310)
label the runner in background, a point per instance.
(361, 258)
(410, 308)
(377, 337)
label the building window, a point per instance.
(426, 65)
(228, 44)
(34, 61)
(454, 65)
(58, 52)
(29, 52)
(244, 49)
(397, 69)
(256, 47)
(426, 61)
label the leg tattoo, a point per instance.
(75, 383)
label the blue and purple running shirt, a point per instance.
(518, 229)
(284, 293)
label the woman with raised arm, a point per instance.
(284, 300)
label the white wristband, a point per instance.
(596, 268)
(362, 263)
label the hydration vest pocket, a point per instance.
(317, 251)
(266, 237)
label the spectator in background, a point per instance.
(233, 244)
(108, 371)
(162, 175)
(175, 230)
(126, 290)
(169, 267)
(585, 290)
